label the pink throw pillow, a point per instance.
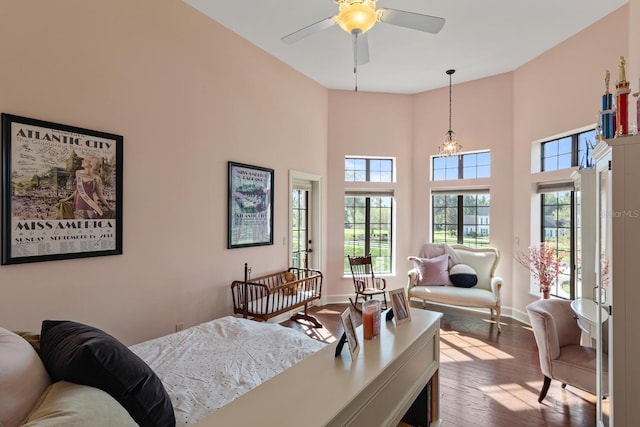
(433, 271)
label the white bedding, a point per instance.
(209, 365)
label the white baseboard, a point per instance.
(505, 312)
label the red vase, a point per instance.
(545, 295)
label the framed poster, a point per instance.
(61, 191)
(400, 306)
(250, 206)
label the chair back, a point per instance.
(362, 272)
(553, 327)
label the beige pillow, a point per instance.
(74, 405)
(23, 378)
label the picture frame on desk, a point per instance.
(61, 191)
(400, 306)
(350, 333)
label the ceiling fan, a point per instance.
(356, 17)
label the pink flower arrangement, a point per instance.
(543, 264)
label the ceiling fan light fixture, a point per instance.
(450, 146)
(356, 16)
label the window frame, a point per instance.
(460, 207)
(576, 149)
(572, 240)
(368, 235)
(368, 171)
(371, 187)
(460, 160)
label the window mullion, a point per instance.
(460, 219)
(367, 225)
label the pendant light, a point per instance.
(450, 146)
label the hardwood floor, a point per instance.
(486, 379)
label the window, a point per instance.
(367, 230)
(368, 170)
(300, 231)
(461, 218)
(368, 212)
(464, 166)
(557, 225)
(558, 201)
(568, 151)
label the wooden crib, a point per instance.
(264, 297)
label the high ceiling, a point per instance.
(480, 38)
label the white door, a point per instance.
(304, 217)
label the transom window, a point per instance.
(368, 170)
(568, 151)
(464, 166)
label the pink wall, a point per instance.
(558, 92)
(368, 124)
(410, 128)
(188, 96)
(482, 117)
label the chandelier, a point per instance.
(450, 147)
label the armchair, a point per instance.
(562, 357)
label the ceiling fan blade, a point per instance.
(360, 48)
(416, 21)
(308, 30)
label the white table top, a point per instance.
(587, 309)
(316, 390)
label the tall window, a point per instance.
(367, 230)
(461, 218)
(300, 231)
(557, 225)
(568, 151)
(461, 215)
(558, 204)
(368, 213)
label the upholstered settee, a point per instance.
(456, 275)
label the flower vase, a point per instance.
(545, 294)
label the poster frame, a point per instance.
(98, 236)
(261, 232)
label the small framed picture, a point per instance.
(350, 332)
(400, 306)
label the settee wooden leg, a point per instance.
(545, 389)
(498, 310)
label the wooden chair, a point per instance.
(366, 284)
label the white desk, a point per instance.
(587, 316)
(376, 389)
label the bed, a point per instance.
(207, 366)
(80, 375)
